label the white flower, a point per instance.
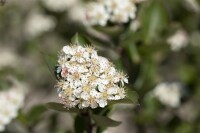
(116, 11)
(119, 17)
(79, 10)
(168, 93)
(93, 103)
(97, 14)
(59, 5)
(102, 103)
(88, 80)
(113, 5)
(11, 100)
(121, 77)
(179, 40)
(8, 58)
(193, 5)
(135, 25)
(124, 11)
(38, 24)
(68, 50)
(112, 91)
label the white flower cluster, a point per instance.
(178, 41)
(193, 5)
(8, 58)
(38, 24)
(115, 11)
(168, 93)
(11, 101)
(58, 5)
(86, 79)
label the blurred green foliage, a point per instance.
(144, 54)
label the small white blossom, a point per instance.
(135, 25)
(124, 11)
(38, 24)
(193, 5)
(8, 58)
(115, 11)
(88, 80)
(102, 103)
(168, 93)
(179, 40)
(11, 100)
(79, 10)
(96, 14)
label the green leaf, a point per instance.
(104, 121)
(131, 98)
(5, 84)
(132, 95)
(187, 73)
(133, 53)
(50, 61)
(80, 40)
(22, 117)
(35, 113)
(121, 101)
(113, 31)
(154, 19)
(60, 107)
(79, 124)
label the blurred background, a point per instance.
(159, 50)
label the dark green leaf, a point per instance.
(110, 30)
(6, 81)
(133, 53)
(153, 19)
(80, 40)
(187, 73)
(104, 121)
(60, 107)
(35, 113)
(4, 84)
(22, 117)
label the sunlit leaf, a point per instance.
(132, 95)
(121, 101)
(60, 107)
(80, 40)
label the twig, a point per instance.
(88, 122)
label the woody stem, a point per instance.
(88, 121)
